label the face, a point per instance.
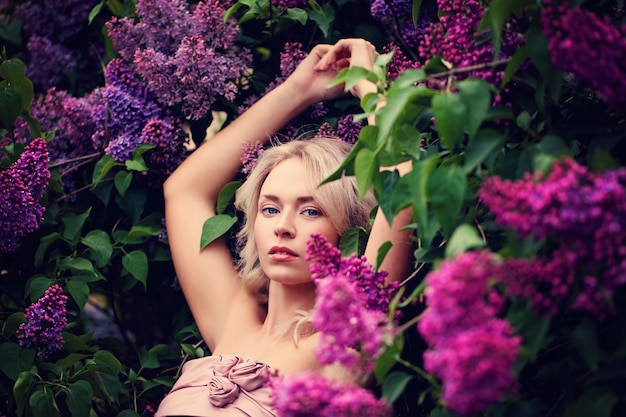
(287, 217)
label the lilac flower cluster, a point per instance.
(283, 4)
(310, 394)
(23, 185)
(198, 60)
(251, 155)
(347, 129)
(589, 46)
(453, 37)
(583, 214)
(471, 350)
(45, 321)
(54, 30)
(351, 305)
(399, 62)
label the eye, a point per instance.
(311, 212)
(269, 210)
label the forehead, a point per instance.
(289, 177)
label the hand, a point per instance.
(350, 53)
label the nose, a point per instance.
(284, 226)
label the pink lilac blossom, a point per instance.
(309, 394)
(198, 60)
(251, 156)
(454, 38)
(471, 350)
(591, 47)
(351, 305)
(23, 185)
(347, 129)
(45, 321)
(583, 216)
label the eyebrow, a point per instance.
(276, 199)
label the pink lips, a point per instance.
(282, 254)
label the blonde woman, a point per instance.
(248, 313)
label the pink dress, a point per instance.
(220, 386)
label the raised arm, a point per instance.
(397, 263)
(208, 278)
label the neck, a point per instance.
(283, 302)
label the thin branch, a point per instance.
(455, 71)
(78, 158)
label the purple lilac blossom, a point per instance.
(471, 350)
(283, 4)
(347, 129)
(192, 66)
(583, 214)
(351, 305)
(589, 46)
(23, 185)
(309, 394)
(168, 139)
(49, 63)
(327, 131)
(45, 321)
(399, 62)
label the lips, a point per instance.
(281, 250)
(282, 254)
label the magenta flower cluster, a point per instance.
(591, 47)
(45, 321)
(196, 63)
(351, 306)
(309, 394)
(22, 186)
(583, 216)
(471, 350)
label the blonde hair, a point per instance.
(338, 199)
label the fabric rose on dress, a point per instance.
(224, 364)
(222, 391)
(249, 375)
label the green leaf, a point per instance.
(352, 241)
(597, 401)
(136, 263)
(394, 385)
(519, 57)
(481, 147)
(150, 359)
(323, 17)
(136, 164)
(585, 339)
(419, 177)
(37, 286)
(95, 11)
(101, 169)
(446, 192)
(364, 167)
(465, 237)
(77, 264)
(297, 15)
(44, 244)
(122, 181)
(382, 252)
(127, 413)
(226, 196)
(388, 358)
(215, 227)
(476, 95)
(450, 113)
(108, 359)
(10, 363)
(100, 244)
(78, 398)
(21, 387)
(10, 106)
(73, 225)
(79, 290)
(43, 404)
(14, 71)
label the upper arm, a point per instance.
(207, 277)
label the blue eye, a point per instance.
(269, 210)
(311, 212)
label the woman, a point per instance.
(247, 315)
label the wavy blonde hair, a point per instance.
(338, 199)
